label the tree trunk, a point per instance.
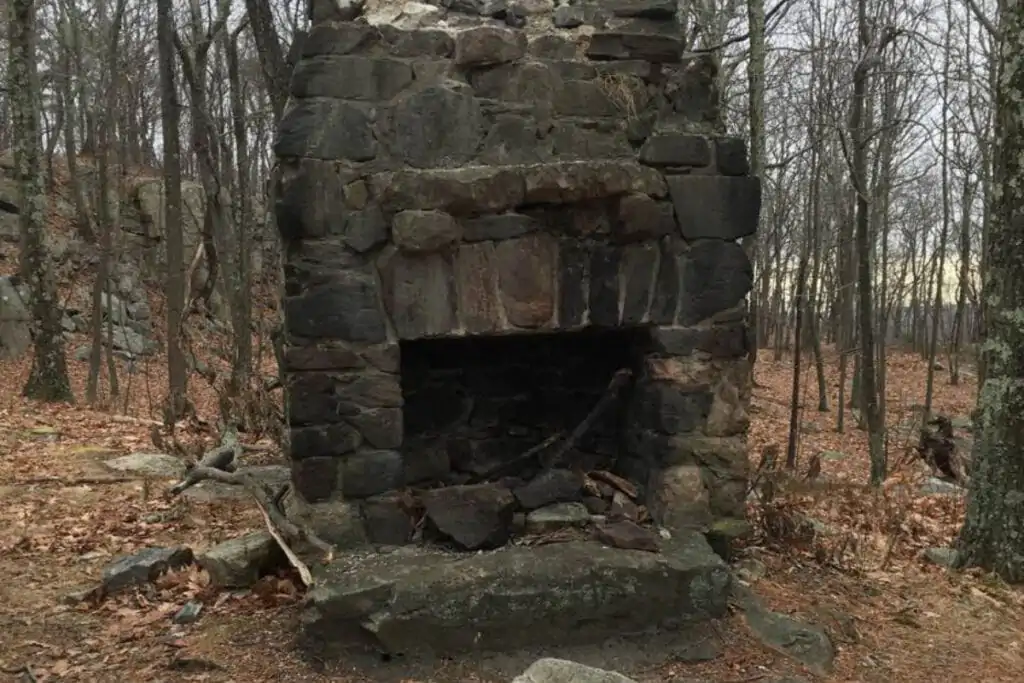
(858, 128)
(177, 404)
(755, 77)
(48, 379)
(993, 533)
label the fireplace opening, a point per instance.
(520, 434)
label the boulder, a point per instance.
(550, 670)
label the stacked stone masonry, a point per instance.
(490, 179)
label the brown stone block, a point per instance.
(728, 413)
(526, 279)
(678, 499)
(477, 287)
(688, 372)
(419, 294)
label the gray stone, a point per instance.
(329, 397)
(641, 217)
(551, 46)
(730, 340)
(189, 613)
(716, 207)
(323, 441)
(577, 181)
(351, 78)
(501, 226)
(326, 129)
(581, 140)
(514, 139)
(336, 522)
(604, 286)
(574, 266)
(627, 535)
(662, 10)
(557, 516)
(240, 562)
(421, 600)
(583, 98)
(338, 39)
(344, 307)
(419, 294)
(380, 427)
(273, 476)
(473, 517)
(723, 534)
(625, 45)
(488, 45)
(366, 473)
(421, 43)
(716, 277)
(365, 229)
(114, 308)
(551, 670)
(551, 486)
(149, 465)
(129, 342)
(934, 486)
(665, 407)
(806, 643)
(676, 149)
(416, 231)
(731, 156)
(436, 127)
(638, 270)
(567, 16)
(944, 557)
(143, 567)
(458, 191)
(387, 519)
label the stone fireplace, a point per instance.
(514, 293)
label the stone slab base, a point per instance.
(416, 601)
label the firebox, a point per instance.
(514, 290)
(475, 405)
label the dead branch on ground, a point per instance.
(211, 467)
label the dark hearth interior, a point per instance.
(473, 404)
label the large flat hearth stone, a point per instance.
(431, 602)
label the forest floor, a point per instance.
(893, 616)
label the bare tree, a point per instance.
(48, 379)
(178, 403)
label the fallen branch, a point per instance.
(222, 458)
(76, 481)
(281, 528)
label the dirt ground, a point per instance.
(893, 616)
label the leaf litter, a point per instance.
(861, 575)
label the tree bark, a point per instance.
(48, 379)
(993, 533)
(177, 373)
